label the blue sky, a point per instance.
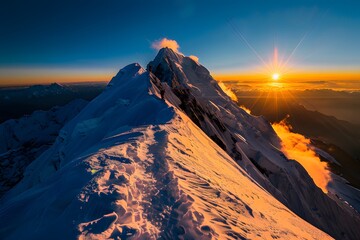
(103, 36)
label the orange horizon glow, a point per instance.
(340, 80)
(13, 82)
(277, 73)
(265, 80)
(305, 75)
(28, 76)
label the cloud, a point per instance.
(245, 109)
(195, 58)
(162, 43)
(296, 146)
(172, 44)
(228, 91)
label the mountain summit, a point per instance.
(191, 166)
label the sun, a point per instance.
(275, 76)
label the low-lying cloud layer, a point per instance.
(297, 147)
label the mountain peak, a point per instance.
(128, 72)
(55, 84)
(169, 55)
(182, 72)
(131, 69)
(168, 51)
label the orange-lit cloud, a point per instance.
(195, 58)
(245, 109)
(228, 91)
(166, 43)
(296, 146)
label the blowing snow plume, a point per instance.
(228, 91)
(296, 146)
(172, 44)
(195, 58)
(245, 109)
(169, 43)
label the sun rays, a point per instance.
(276, 69)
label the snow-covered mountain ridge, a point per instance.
(23, 140)
(194, 166)
(252, 143)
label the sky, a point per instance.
(78, 40)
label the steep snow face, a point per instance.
(251, 142)
(23, 140)
(133, 166)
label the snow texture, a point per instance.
(23, 140)
(131, 165)
(252, 143)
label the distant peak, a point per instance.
(55, 85)
(128, 72)
(131, 69)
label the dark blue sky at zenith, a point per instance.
(106, 35)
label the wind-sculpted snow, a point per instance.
(132, 166)
(23, 140)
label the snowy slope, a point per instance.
(132, 165)
(23, 140)
(252, 143)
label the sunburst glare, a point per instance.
(275, 76)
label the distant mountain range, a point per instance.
(16, 102)
(23, 140)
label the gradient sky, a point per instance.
(93, 39)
